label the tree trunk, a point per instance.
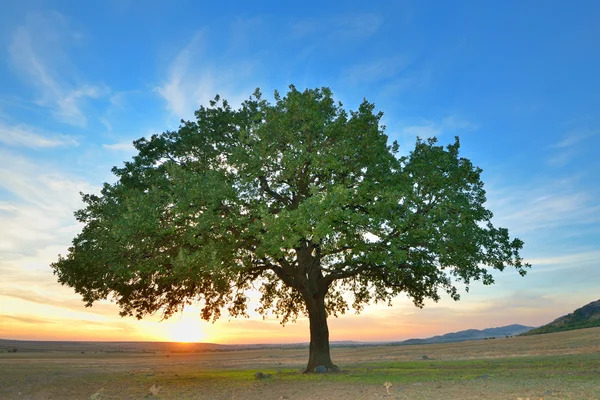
(319, 334)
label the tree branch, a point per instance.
(336, 251)
(342, 274)
(256, 271)
(264, 185)
(281, 272)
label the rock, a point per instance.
(260, 375)
(425, 358)
(387, 385)
(320, 369)
(97, 395)
(154, 390)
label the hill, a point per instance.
(587, 316)
(470, 334)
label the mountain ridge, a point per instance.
(587, 316)
(471, 334)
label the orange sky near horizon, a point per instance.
(35, 317)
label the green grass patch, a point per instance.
(566, 368)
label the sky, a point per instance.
(518, 81)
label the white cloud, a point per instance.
(193, 81)
(571, 144)
(574, 137)
(23, 135)
(37, 54)
(560, 204)
(39, 212)
(69, 103)
(451, 123)
(423, 131)
(126, 145)
(456, 123)
(581, 259)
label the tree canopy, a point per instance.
(300, 199)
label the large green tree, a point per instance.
(300, 199)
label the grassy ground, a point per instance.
(562, 365)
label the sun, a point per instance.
(186, 328)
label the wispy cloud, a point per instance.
(176, 90)
(26, 136)
(39, 210)
(120, 146)
(330, 35)
(192, 81)
(585, 258)
(377, 70)
(52, 326)
(456, 123)
(26, 320)
(413, 77)
(422, 131)
(560, 204)
(572, 138)
(67, 301)
(37, 54)
(451, 123)
(571, 144)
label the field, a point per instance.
(563, 365)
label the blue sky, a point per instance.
(518, 81)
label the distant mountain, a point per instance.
(587, 316)
(174, 347)
(471, 334)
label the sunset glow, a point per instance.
(186, 331)
(185, 327)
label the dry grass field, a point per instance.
(562, 365)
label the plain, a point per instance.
(563, 365)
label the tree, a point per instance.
(301, 199)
